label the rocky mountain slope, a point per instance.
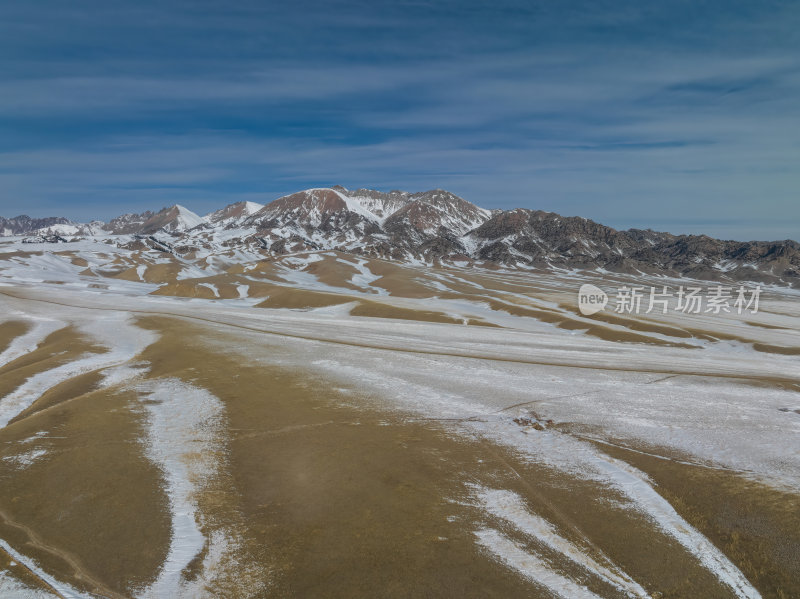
(430, 227)
(21, 225)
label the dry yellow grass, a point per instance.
(302, 299)
(10, 330)
(399, 281)
(758, 527)
(383, 310)
(90, 511)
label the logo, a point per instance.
(688, 300)
(591, 299)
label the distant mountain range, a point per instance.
(429, 227)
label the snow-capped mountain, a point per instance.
(24, 224)
(128, 224)
(429, 212)
(314, 219)
(233, 213)
(71, 229)
(430, 227)
(378, 203)
(174, 219)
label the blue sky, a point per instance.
(675, 115)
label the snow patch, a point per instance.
(23, 460)
(530, 566)
(63, 589)
(510, 507)
(111, 329)
(183, 438)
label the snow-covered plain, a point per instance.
(711, 399)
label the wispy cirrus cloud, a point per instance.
(623, 112)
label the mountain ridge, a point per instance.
(436, 226)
